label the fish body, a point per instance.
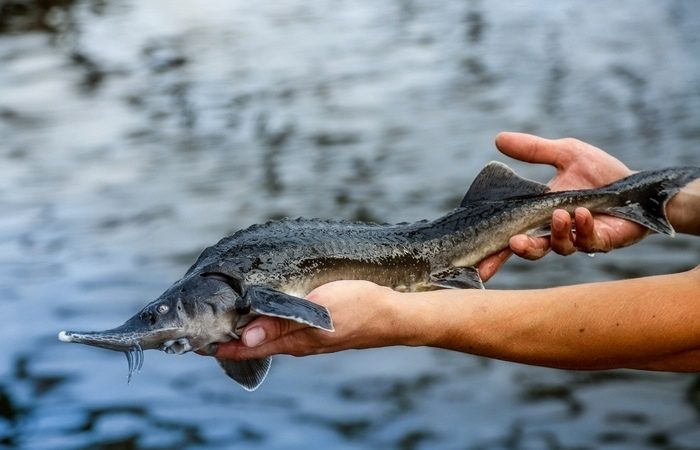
(268, 268)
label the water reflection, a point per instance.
(137, 133)
(51, 16)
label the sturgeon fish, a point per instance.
(268, 268)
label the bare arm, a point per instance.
(644, 323)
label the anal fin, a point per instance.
(249, 374)
(457, 278)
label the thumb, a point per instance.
(267, 329)
(529, 148)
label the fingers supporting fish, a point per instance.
(490, 265)
(562, 238)
(264, 336)
(586, 239)
(267, 329)
(583, 232)
(529, 247)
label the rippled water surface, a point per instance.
(134, 134)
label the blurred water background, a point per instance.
(135, 133)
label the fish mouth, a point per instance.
(177, 346)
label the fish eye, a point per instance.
(162, 308)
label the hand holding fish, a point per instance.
(362, 316)
(579, 166)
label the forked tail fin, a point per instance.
(644, 195)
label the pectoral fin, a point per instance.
(270, 302)
(457, 278)
(249, 374)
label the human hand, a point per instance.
(579, 166)
(363, 317)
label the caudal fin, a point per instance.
(644, 195)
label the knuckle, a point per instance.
(563, 248)
(281, 327)
(570, 141)
(534, 254)
(586, 243)
(558, 244)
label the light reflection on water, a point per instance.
(137, 133)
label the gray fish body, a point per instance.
(267, 268)
(297, 255)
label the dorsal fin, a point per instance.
(497, 181)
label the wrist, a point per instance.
(416, 319)
(682, 209)
(402, 318)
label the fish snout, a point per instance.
(65, 336)
(105, 339)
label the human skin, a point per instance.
(580, 166)
(644, 323)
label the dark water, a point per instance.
(134, 134)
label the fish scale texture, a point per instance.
(327, 237)
(297, 247)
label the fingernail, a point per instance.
(254, 337)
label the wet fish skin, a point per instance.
(267, 268)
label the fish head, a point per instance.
(146, 330)
(202, 306)
(194, 314)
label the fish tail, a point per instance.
(642, 197)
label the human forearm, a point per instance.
(643, 323)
